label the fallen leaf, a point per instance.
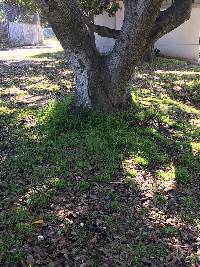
(170, 187)
(38, 222)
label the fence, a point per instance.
(20, 34)
(3, 35)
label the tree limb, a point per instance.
(67, 22)
(103, 31)
(170, 19)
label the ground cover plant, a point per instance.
(97, 189)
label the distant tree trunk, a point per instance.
(11, 12)
(36, 19)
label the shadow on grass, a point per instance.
(102, 185)
(34, 82)
(58, 55)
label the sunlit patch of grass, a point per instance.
(141, 161)
(197, 223)
(192, 89)
(49, 55)
(162, 63)
(131, 172)
(169, 173)
(43, 85)
(5, 109)
(195, 147)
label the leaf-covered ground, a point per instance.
(95, 189)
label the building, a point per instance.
(19, 28)
(183, 42)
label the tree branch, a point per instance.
(68, 24)
(170, 19)
(103, 31)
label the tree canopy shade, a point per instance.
(103, 81)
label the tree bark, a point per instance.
(104, 82)
(92, 83)
(93, 86)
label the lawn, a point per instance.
(99, 189)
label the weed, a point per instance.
(191, 202)
(160, 200)
(182, 175)
(170, 231)
(82, 186)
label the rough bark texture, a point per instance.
(103, 82)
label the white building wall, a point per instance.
(183, 42)
(120, 17)
(103, 44)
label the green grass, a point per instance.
(98, 165)
(170, 231)
(160, 200)
(82, 186)
(141, 251)
(191, 202)
(10, 246)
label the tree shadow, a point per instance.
(34, 81)
(104, 186)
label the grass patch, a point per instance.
(92, 176)
(183, 175)
(82, 186)
(160, 200)
(142, 251)
(10, 250)
(170, 231)
(191, 202)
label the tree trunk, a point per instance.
(103, 82)
(148, 55)
(93, 85)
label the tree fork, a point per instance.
(103, 82)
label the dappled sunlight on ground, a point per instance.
(96, 189)
(29, 52)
